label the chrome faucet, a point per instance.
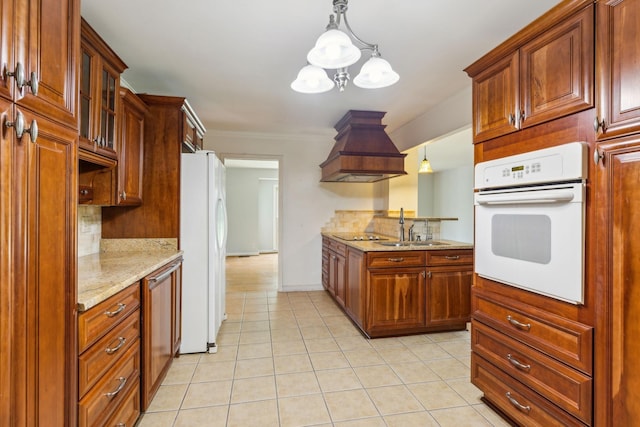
(401, 224)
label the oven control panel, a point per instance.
(562, 163)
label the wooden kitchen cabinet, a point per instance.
(335, 269)
(163, 146)
(542, 73)
(389, 293)
(100, 70)
(617, 76)
(449, 278)
(618, 275)
(160, 313)
(396, 300)
(41, 38)
(38, 213)
(109, 360)
(130, 149)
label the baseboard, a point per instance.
(302, 288)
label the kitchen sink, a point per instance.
(416, 243)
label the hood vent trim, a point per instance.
(363, 152)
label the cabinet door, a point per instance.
(47, 44)
(449, 295)
(7, 83)
(130, 149)
(556, 71)
(159, 290)
(44, 260)
(107, 107)
(176, 316)
(157, 333)
(618, 325)
(337, 270)
(396, 299)
(618, 79)
(496, 99)
(6, 262)
(88, 117)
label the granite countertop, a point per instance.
(104, 274)
(371, 246)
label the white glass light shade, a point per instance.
(312, 79)
(333, 50)
(376, 73)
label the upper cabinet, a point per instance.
(536, 76)
(617, 75)
(38, 52)
(130, 148)
(100, 70)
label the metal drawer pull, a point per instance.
(164, 275)
(517, 404)
(515, 362)
(396, 259)
(121, 307)
(111, 350)
(121, 425)
(523, 326)
(123, 382)
(452, 257)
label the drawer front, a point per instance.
(517, 401)
(396, 259)
(339, 248)
(452, 257)
(129, 409)
(566, 387)
(99, 358)
(95, 322)
(105, 397)
(568, 341)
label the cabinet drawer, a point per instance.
(520, 403)
(339, 248)
(95, 322)
(129, 409)
(396, 259)
(568, 341)
(452, 257)
(105, 397)
(566, 387)
(99, 358)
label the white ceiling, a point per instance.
(235, 59)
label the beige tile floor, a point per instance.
(295, 359)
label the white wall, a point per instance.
(243, 196)
(453, 197)
(307, 204)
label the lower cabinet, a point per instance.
(387, 293)
(160, 319)
(534, 366)
(109, 361)
(334, 269)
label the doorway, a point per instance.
(253, 206)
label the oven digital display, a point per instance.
(517, 168)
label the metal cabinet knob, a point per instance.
(18, 74)
(19, 126)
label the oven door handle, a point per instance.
(550, 196)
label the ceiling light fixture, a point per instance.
(425, 165)
(334, 50)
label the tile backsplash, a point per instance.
(89, 229)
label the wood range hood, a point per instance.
(363, 151)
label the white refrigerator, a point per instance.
(203, 237)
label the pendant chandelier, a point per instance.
(425, 165)
(334, 50)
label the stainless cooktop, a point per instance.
(359, 236)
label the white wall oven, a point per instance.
(529, 213)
